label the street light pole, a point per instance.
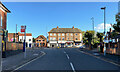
(103, 8)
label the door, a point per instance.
(30, 45)
(62, 45)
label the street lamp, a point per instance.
(103, 8)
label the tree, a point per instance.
(117, 27)
(100, 36)
(33, 39)
(88, 36)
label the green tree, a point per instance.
(100, 36)
(117, 26)
(33, 39)
(88, 36)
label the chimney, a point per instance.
(73, 27)
(57, 27)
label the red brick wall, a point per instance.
(4, 19)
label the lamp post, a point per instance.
(103, 8)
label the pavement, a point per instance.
(67, 60)
(108, 57)
(12, 62)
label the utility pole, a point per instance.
(16, 32)
(103, 8)
(25, 42)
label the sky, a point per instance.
(41, 17)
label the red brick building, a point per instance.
(41, 41)
(13, 37)
(3, 17)
(65, 37)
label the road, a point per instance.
(67, 59)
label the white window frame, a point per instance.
(63, 34)
(54, 34)
(50, 34)
(71, 34)
(59, 34)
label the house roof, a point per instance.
(4, 8)
(41, 36)
(27, 34)
(65, 30)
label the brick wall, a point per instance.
(4, 19)
(14, 46)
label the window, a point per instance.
(59, 38)
(50, 38)
(76, 38)
(54, 38)
(39, 40)
(50, 34)
(76, 34)
(71, 38)
(63, 34)
(71, 34)
(54, 34)
(63, 38)
(67, 34)
(59, 34)
(1, 20)
(29, 39)
(67, 38)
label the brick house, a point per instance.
(13, 37)
(19, 37)
(65, 37)
(3, 17)
(41, 41)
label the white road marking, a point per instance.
(100, 58)
(28, 62)
(67, 56)
(64, 52)
(72, 67)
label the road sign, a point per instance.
(23, 28)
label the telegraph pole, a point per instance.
(103, 8)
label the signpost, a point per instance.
(23, 29)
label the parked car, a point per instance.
(81, 47)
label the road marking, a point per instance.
(99, 58)
(67, 56)
(72, 67)
(28, 62)
(64, 52)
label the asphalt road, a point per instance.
(67, 59)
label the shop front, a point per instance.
(53, 44)
(69, 44)
(78, 43)
(61, 44)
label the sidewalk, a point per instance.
(108, 57)
(13, 62)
